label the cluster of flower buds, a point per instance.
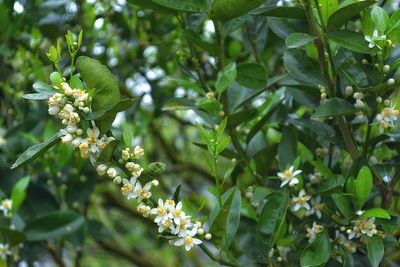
(362, 226)
(67, 105)
(323, 92)
(388, 115)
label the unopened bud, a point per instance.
(391, 81)
(208, 236)
(349, 90)
(386, 68)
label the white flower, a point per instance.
(77, 141)
(188, 240)
(92, 140)
(4, 251)
(183, 226)
(138, 151)
(363, 226)
(134, 168)
(316, 207)
(67, 89)
(112, 172)
(388, 116)
(67, 138)
(126, 154)
(289, 176)
(164, 225)
(375, 37)
(161, 212)
(313, 231)
(142, 192)
(144, 209)
(387, 179)
(301, 201)
(6, 206)
(176, 213)
(128, 187)
(104, 140)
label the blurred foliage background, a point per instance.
(142, 47)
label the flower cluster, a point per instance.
(68, 105)
(313, 231)
(362, 226)
(388, 116)
(375, 40)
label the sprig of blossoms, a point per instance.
(362, 226)
(6, 206)
(388, 117)
(68, 105)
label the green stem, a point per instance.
(216, 258)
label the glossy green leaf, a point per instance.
(343, 203)
(36, 150)
(183, 5)
(380, 18)
(376, 212)
(331, 183)
(363, 186)
(54, 225)
(350, 40)
(271, 218)
(225, 77)
(334, 107)
(345, 13)
(298, 39)
(119, 106)
(233, 220)
(328, 7)
(301, 67)
(317, 252)
(18, 193)
(228, 9)
(13, 237)
(375, 250)
(287, 148)
(251, 75)
(36, 96)
(44, 89)
(107, 152)
(99, 77)
(281, 12)
(178, 103)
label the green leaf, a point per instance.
(317, 252)
(375, 250)
(55, 78)
(328, 7)
(233, 220)
(219, 216)
(121, 105)
(380, 18)
(225, 77)
(36, 96)
(298, 39)
(331, 183)
(281, 12)
(53, 225)
(251, 75)
(177, 193)
(265, 158)
(150, 4)
(13, 237)
(302, 68)
(334, 107)
(99, 77)
(376, 212)
(322, 168)
(350, 40)
(343, 203)
(183, 5)
(194, 38)
(271, 218)
(36, 150)
(178, 103)
(344, 14)
(287, 148)
(363, 186)
(128, 135)
(18, 193)
(44, 88)
(228, 9)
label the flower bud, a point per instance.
(200, 231)
(364, 61)
(101, 169)
(249, 194)
(66, 139)
(155, 182)
(386, 68)
(117, 180)
(349, 90)
(358, 95)
(210, 95)
(386, 102)
(112, 172)
(208, 236)
(138, 151)
(379, 100)
(391, 81)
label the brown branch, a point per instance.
(53, 253)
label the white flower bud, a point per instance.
(208, 236)
(386, 68)
(138, 151)
(71, 128)
(391, 81)
(155, 182)
(342, 228)
(198, 224)
(86, 110)
(130, 166)
(66, 139)
(67, 90)
(386, 102)
(323, 96)
(348, 231)
(358, 95)
(349, 90)
(101, 169)
(200, 231)
(117, 180)
(364, 61)
(249, 194)
(79, 132)
(359, 104)
(112, 172)
(378, 99)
